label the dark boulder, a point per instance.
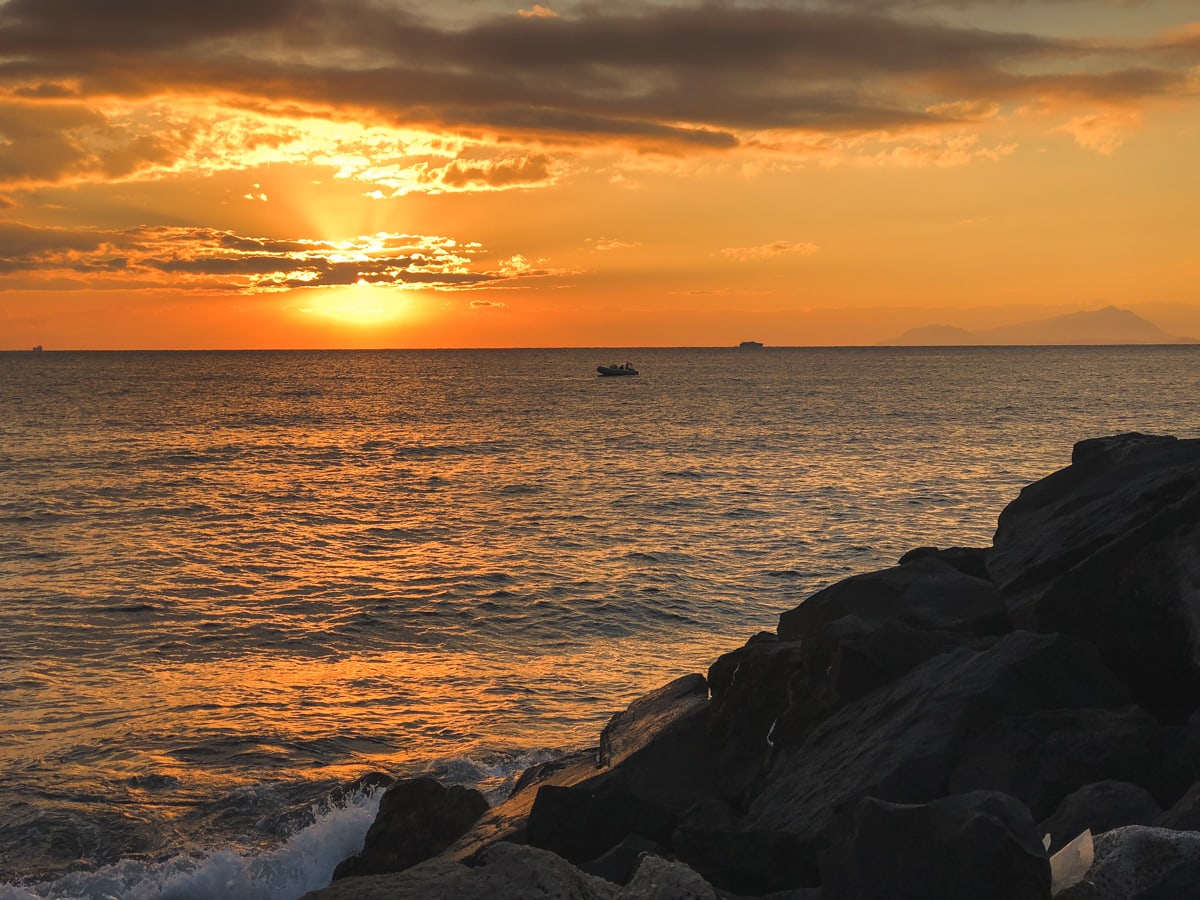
(968, 560)
(901, 742)
(982, 845)
(925, 593)
(1043, 756)
(418, 818)
(1108, 549)
(1099, 807)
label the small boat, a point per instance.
(751, 345)
(37, 349)
(623, 369)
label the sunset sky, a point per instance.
(474, 173)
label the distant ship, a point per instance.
(751, 345)
(37, 349)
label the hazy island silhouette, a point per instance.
(1109, 325)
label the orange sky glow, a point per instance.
(371, 173)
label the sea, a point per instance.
(238, 589)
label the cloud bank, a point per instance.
(131, 89)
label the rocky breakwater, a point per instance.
(1012, 722)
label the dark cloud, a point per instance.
(209, 259)
(699, 75)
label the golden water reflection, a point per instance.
(260, 718)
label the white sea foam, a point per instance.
(303, 863)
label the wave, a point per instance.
(303, 862)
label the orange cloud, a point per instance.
(1102, 131)
(767, 251)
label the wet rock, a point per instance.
(981, 845)
(417, 819)
(1099, 807)
(1108, 549)
(1134, 861)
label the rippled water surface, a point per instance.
(232, 580)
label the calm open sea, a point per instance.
(232, 582)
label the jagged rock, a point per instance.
(1099, 807)
(619, 863)
(983, 845)
(1133, 862)
(660, 879)
(506, 872)
(1108, 549)
(714, 841)
(580, 823)
(417, 819)
(927, 593)
(1043, 756)
(899, 743)
(1184, 815)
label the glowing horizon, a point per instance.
(343, 173)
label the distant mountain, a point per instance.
(1101, 326)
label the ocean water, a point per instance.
(233, 584)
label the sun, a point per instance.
(362, 304)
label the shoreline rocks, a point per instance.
(903, 732)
